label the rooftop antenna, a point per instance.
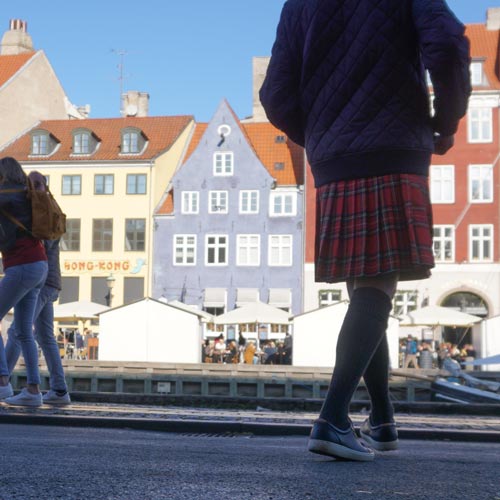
(121, 54)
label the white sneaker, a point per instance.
(51, 398)
(25, 398)
(6, 391)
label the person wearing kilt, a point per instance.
(347, 81)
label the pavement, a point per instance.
(432, 425)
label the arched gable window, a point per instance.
(84, 142)
(43, 143)
(133, 141)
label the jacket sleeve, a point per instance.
(280, 92)
(446, 55)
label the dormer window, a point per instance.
(476, 73)
(133, 141)
(42, 143)
(84, 142)
(280, 139)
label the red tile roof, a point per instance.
(160, 131)
(290, 155)
(195, 139)
(486, 44)
(262, 138)
(167, 207)
(10, 65)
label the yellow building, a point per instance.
(108, 175)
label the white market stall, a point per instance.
(435, 318)
(486, 341)
(260, 316)
(82, 310)
(315, 335)
(439, 316)
(152, 331)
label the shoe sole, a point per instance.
(27, 405)
(338, 451)
(57, 403)
(380, 445)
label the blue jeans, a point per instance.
(44, 335)
(19, 289)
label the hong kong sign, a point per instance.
(124, 266)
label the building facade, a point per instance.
(108, 175)
(229, 230)
(28, 80)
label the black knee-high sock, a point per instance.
(377, 382)
(362, 330)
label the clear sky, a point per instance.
(187, 54)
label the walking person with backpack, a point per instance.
(43, 322)
(25, 269)
(347, 81)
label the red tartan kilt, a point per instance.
(372, 226)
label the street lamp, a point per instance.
(110, 283)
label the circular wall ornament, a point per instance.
(224, 130)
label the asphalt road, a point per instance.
(39, 462)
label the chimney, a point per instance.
(493, 18)
(135, 103)
(84, 110)
(16, 40)
(259, 69)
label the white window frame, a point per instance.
(275, 195)
(330, 297)
(481, 240)
(281, 242)
(216, 246)
(190, 202)
(441, 241)
(221, 199)
(476, 73)
(245, 243)
(480, 115)
(185, 246)
(404, 302)
(246, 206)
(442, 176)
(223, 163)
(484, 171)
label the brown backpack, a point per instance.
(48, 221)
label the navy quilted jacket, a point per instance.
(346, 80)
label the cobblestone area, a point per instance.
(259, 415)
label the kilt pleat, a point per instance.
(372, 226)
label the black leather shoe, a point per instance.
(326, 439)
(383, 437)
